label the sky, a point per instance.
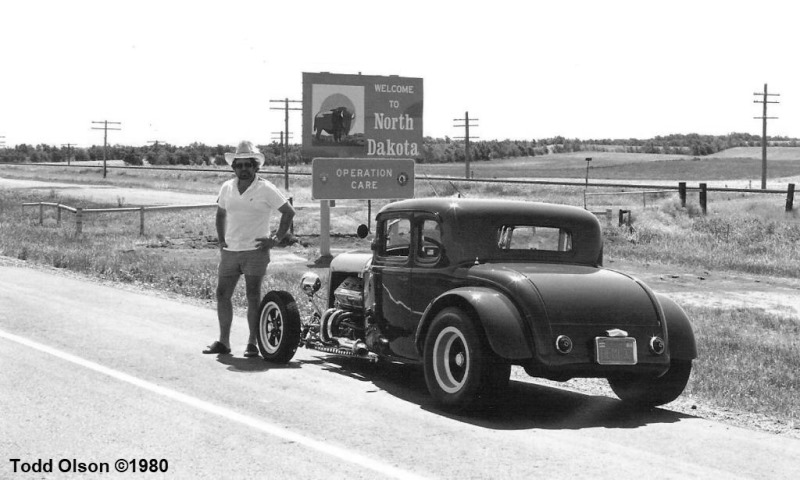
(206, 71)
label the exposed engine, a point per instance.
(342, 329)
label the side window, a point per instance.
(430, 241)
(396, 237)
(526, 237)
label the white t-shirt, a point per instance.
(249, 213)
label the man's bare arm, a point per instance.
(287, 214)
(220, 221)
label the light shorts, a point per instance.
(248, 262)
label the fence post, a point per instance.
(141, 221)
(622, 217)
(790, 197)
(41, 213)
(682, 193)
(703, 197)
(78, 221)
(608, 216)
(58, 214)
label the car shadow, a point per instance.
(522, 406)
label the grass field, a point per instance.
(749, 357)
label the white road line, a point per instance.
(334, 451)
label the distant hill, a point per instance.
(773, 153)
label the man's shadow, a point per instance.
(251, 364)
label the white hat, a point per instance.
(245, 150)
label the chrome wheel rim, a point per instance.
(271, 328)
(451, 360)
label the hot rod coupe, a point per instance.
(470, 287)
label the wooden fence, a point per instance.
(702, 190)
(682, 189)
(80, 213)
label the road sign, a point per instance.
(362, 116)
(362, 178)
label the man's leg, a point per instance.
(225, 287)
(253, 292)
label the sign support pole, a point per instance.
(324, 229)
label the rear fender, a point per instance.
(499, 317)
(682, 345)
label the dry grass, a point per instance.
(747, 236)
(748, 360)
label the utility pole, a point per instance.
(105, 130)
(285, 142)
(279, 137)
(764, 119)
(69, 150)
(588, 160)
(466, 137)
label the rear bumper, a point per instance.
(592, 370)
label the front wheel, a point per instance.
(653, 391)
(278, 327)
(460, 368)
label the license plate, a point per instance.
(615, 351)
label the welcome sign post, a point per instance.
(363, 132)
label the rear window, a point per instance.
(530, 238)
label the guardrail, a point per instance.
(81, 212)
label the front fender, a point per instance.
(682, 345)
(499, 317)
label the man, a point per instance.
(244, 208)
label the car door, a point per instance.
(392, 276)
(431, 274)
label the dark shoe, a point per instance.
(251, 350)
(217, 348)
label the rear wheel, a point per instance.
(653, 391)
(278, 327)
(460, 368)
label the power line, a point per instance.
(466, 137)
(285, 141)
(764, 119)
(105, 130)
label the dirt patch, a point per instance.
(718, 289)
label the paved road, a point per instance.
(95, 373)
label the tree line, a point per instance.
(434, 150)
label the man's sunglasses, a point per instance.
(239, 165)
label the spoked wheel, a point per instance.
(652, 392)
(278, 327)
(460, 368)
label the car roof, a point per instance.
(451, 207)
(469, 219)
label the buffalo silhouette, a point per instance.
(336, 121)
